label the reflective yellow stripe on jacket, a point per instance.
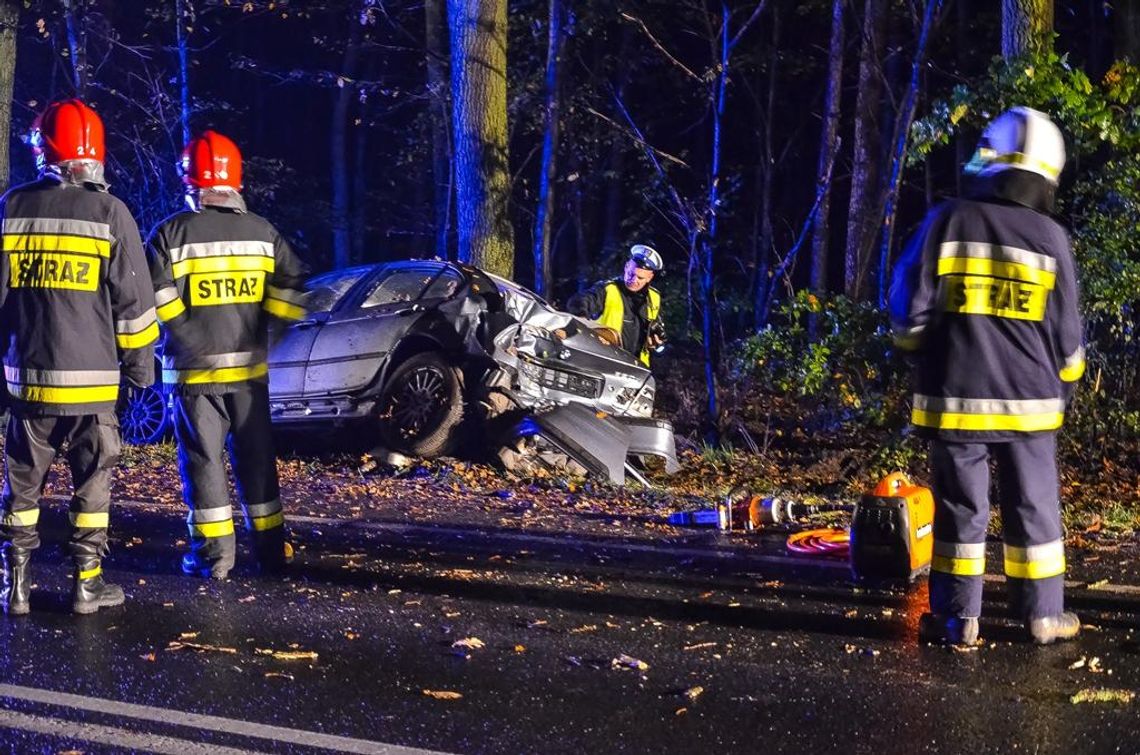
(947, 413)
(613, 312)
(62, 386)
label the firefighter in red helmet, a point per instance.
(220, 274)
(78, 316)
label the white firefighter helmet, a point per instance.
(1020, 139)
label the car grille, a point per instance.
(561, 380)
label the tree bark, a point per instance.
(828, 143)
(338, 146)
(866, 171)
(902, 135)
(1026, 27)
(75, 17)
(1126, 29)
(556, 42)
(9, 21)
(435, 34)
(183, 26)
(765, 172)
(479, 112)
(359, 235)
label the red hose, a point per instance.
(831, 543)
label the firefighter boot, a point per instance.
(1050, 629)
(17, 588)
(274, 553)
(91, 592)
(196, 566)
(947, 630)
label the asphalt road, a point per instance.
(469, 640)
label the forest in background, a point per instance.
(777, 153)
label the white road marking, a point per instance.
(112, 736)
(199, 721)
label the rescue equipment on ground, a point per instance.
(892, 531)
(829, 542)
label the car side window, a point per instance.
(444, 286)
(398, 286)
(326, 290)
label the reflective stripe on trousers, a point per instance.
(1031, 520)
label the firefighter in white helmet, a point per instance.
(628, 305)
(986, 297)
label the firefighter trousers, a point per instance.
(204, 426)
(1028, 493)
(93, 447)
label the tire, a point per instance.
(143, 415)
(421, 407)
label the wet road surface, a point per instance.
(552, 643)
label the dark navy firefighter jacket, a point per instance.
(985, 295)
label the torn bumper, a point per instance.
(604, 444)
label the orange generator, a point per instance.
(892, 531)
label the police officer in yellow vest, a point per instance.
(628, 305)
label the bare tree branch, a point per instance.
(688, 71)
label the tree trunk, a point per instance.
(616, 161)
(865, 171)
(338, 146)
(1026, 27)
(1126, 29)
(828, 144)
(360, 173)
(479, 111)
(9, 21)
(902, 134)
(183, 26)
(435, 33)
(75, 16)
(765, 171)
(556, 42)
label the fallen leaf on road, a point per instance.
(627, 662)
(520, 648)
(693, 692)
(1080, 663)
(1095, 695)
(288, 655)
(468, 642)
(699, 645)
(278, 675)
(1100, 584)
(680, 711)
(148, 657)
(247, 599)
(175, 645)
(188, 635)
(442, 694)
(585, 628)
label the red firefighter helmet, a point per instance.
(211, 161)
(67, 130)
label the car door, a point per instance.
(292, 344)
(351, 346)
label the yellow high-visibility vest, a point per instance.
(613, 313)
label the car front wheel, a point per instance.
(422, 406)
(143, 417)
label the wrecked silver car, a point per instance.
(440, 358)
